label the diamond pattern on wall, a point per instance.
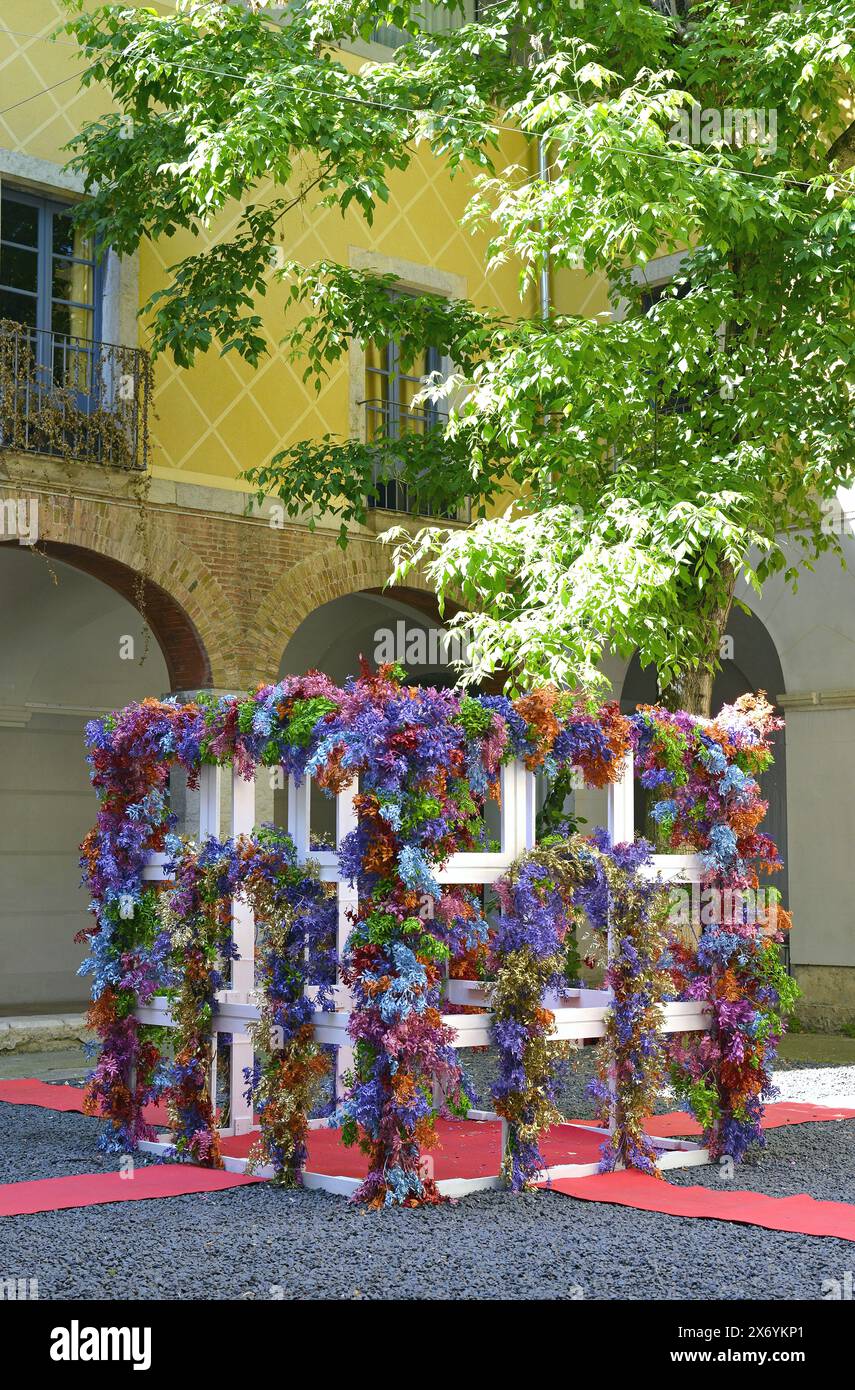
(220, 417)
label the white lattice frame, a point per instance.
(579, 1014)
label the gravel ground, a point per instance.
(823, 1085)
(261, 1243)
(36, 1143)
(808, 1081)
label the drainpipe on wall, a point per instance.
(543, 170)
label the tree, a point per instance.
(662, 452)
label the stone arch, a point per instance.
(334, 573)
(192, 620)
(184, 652)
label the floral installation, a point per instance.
(725, 1076)
(545, 891)
(296, 921)
(197, 916)
(416, 807)
(427, 761)
(130, 961)
(704, 772)
(130, 756)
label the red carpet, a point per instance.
(778, 1113)
(50, 1096)
(41, 1093)
(93, 1189)
(802, 1215)
(469, 1149)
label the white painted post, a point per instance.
(621, 829)
(299, 803)
(210, 779)
(622, 805)
(209, 801)
(528, 812)
(243, 969)
(243, 820)
(517, 833)
(518, 809)
(348, 901)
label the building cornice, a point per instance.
(801, 700)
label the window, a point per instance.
(432, 20)
(390, 392)
(50, 283)
(390, 413)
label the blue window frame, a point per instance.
(50, 283)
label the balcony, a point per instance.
(73, 399)
(387, 420)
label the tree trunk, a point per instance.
(692, 691)
(842, 152)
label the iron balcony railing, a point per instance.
(389, 420)
(73, 398)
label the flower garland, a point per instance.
(126, 1076)
(706, 773)
(415, 809)
(527, 957)
(130, 755)
(725, 1076)
(296, 921)
(631, 910)
(197, 914)
(545, 890)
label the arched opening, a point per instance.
(187, 661)
(750, 662)
(396, 623)
(71, 650)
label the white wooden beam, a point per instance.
(209, 801)
(243, 969)
(346, 820)
(299, 816)
(621, 812)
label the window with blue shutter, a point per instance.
(50, 284)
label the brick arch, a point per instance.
(364, 567)
(191, 619)
(187, 662)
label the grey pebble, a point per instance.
(263, 1243)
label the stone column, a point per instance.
(820, 736)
